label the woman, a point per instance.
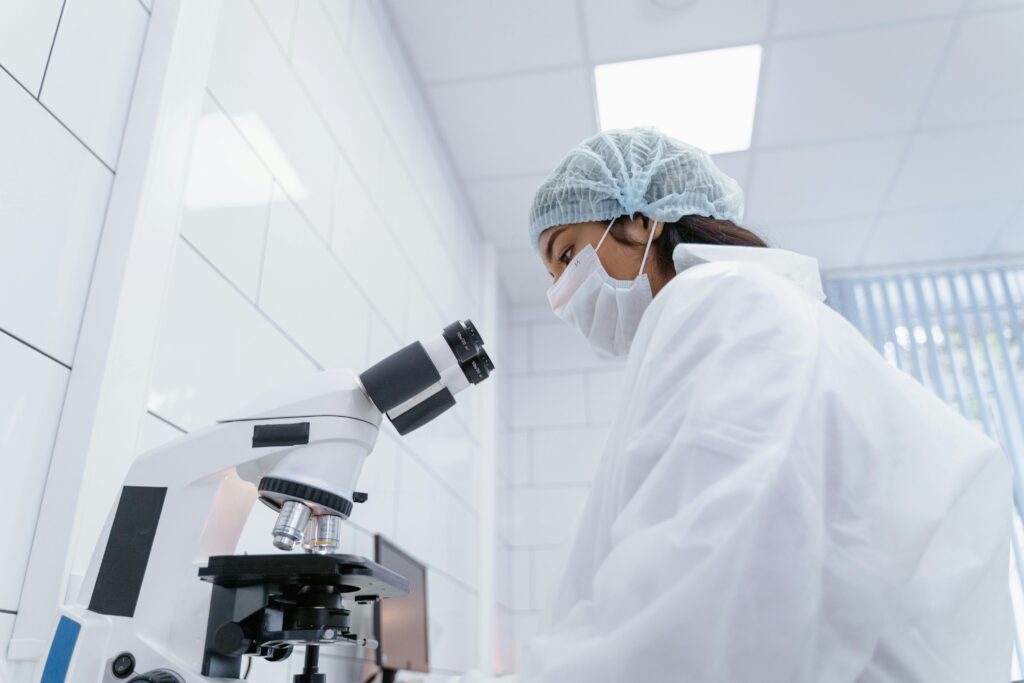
(775, 503)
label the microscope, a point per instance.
(165, 600)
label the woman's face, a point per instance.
(560, 244)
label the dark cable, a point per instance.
(248, 668)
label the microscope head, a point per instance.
(312, 487)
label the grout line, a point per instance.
(35, 348)
(265, 238)
(1011, 221)
(167, 422)
(49, 54)
(908, 145)
(148, 11)
(57, 119)
(252, 303)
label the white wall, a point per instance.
(561, 400)
(324, 228)
(65, 88)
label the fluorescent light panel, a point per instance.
(706, 99)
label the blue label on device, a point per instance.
(61, 649)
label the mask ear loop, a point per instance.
(607, 230)
(650, 240)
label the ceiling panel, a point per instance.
(834, 244)
(502, 208)
(848, 85)
(820, 182)
(935, 235)
(523, 276)
(983, 78)
(621, 30)
(455, 39)
(962, 166)
(801, 16)
(516, 125)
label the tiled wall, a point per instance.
(323, 228)
(561, 400)
(64, 94)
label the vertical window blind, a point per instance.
(959, 332)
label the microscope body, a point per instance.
(166, 601)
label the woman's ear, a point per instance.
(659, 227)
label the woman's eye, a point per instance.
(566, 256)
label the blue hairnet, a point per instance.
(626, 172)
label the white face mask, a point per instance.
(606, 311)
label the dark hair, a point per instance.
(688, 229)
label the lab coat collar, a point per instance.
(801, 270)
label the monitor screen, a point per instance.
(401, 623)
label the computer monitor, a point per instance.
(401, 623)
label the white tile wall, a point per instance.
(53, 196)
(31, 396)
(54, 189)
(91, 75)
(561, 401)
(315, 239)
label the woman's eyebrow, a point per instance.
(551, 242)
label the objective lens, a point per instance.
(326, 535)
(291, 521)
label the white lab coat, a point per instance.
(778, 504)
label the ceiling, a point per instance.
(886, 132)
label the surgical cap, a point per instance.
(626, 172)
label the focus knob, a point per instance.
(157, 676)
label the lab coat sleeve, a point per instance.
(719, 566)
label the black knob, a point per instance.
(123, 665)
(360, 497)
(230, 640)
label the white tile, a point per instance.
(547, 516)
(227, 200)
(453, 624)
(965, 166)
(736, 165)
(339, 13)
(26, 33)
(821, 182)
(603, 392)
(548, 401)
(526, 625)
(327, 72)
(91, 76)
(618, 31)
(379, 480)
(523, 277)
(31, 397)
(280, 18)
(491, 36)
(548, 565)
(946, 234)
(502, 208)
(154, 432)
(446, 447)
(801, 16)
(53, 197)
(522, 578)
(501, 126)
(566, 456)
(12, 670)
(306, 292)
(251, 80)
(848, 85)
(215, 352)
(835, 244)
(516, 351)
(558, 347)
(981, 78)
(519, 455)
(1011, 241)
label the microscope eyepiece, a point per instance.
(417, 383)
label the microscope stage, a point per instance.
(349, 574)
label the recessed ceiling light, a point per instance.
(706, 99)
